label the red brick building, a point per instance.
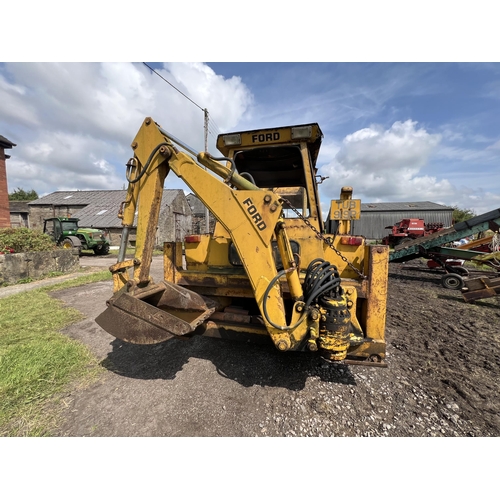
(4, 191)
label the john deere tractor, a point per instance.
(66, 233)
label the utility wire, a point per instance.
(217, 128)
(173, 86)
(212, 130)
(212, 122)
(211, 127)
(207, 130)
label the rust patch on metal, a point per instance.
(155, 314)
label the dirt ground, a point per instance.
(442, 378)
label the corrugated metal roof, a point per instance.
(100, 215)
(99, 208)
(402, 206)
(79, 197)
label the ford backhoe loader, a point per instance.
(268, 272)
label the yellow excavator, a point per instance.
(269, 272)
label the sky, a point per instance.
(404, 117)
(392, 131)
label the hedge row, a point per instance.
(16, 240)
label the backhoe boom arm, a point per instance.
(250, 215)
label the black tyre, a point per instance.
(104, 250)
(72, 243)
(452, 281)
(68, 243)
(462, 271)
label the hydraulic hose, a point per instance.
(227, 180)
(264, 306)
(321, 278)
(146, 166)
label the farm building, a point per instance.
(199, 211)
(375, 217)
(99, 209)
(19, 213)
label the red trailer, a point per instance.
(406, 230)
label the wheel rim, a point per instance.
(452, 282)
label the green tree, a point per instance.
(20, 194)
(461, 214)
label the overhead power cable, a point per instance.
(217, 128)
(212, 129)
(210, 126)
(212, 121)
(189, 99)
(206, 128)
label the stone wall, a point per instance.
(175, 220)
(199, 225)
(40, 212)
(20, 266)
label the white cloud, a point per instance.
(73, 123)
(386, 165)
(329, 149)
(495, 146)
(13, 105)
(226, 99)
(403, 148)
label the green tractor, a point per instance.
(66, 233)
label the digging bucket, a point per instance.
(155, 313)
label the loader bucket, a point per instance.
(155, 314)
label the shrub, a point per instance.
(24, 240)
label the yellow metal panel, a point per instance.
(377, 263)
(169, 260)
(262, 209)
(218, 252)
(197, 252)
(268, 137)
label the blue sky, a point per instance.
(393, 131)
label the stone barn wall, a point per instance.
(19, 266)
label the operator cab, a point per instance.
(57, 227)
(282, 159)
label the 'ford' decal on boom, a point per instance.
(257, 218)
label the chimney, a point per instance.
(4, 191)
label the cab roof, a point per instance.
(293, 134)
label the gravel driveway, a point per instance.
(442, 379)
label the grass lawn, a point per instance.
(37, 363)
